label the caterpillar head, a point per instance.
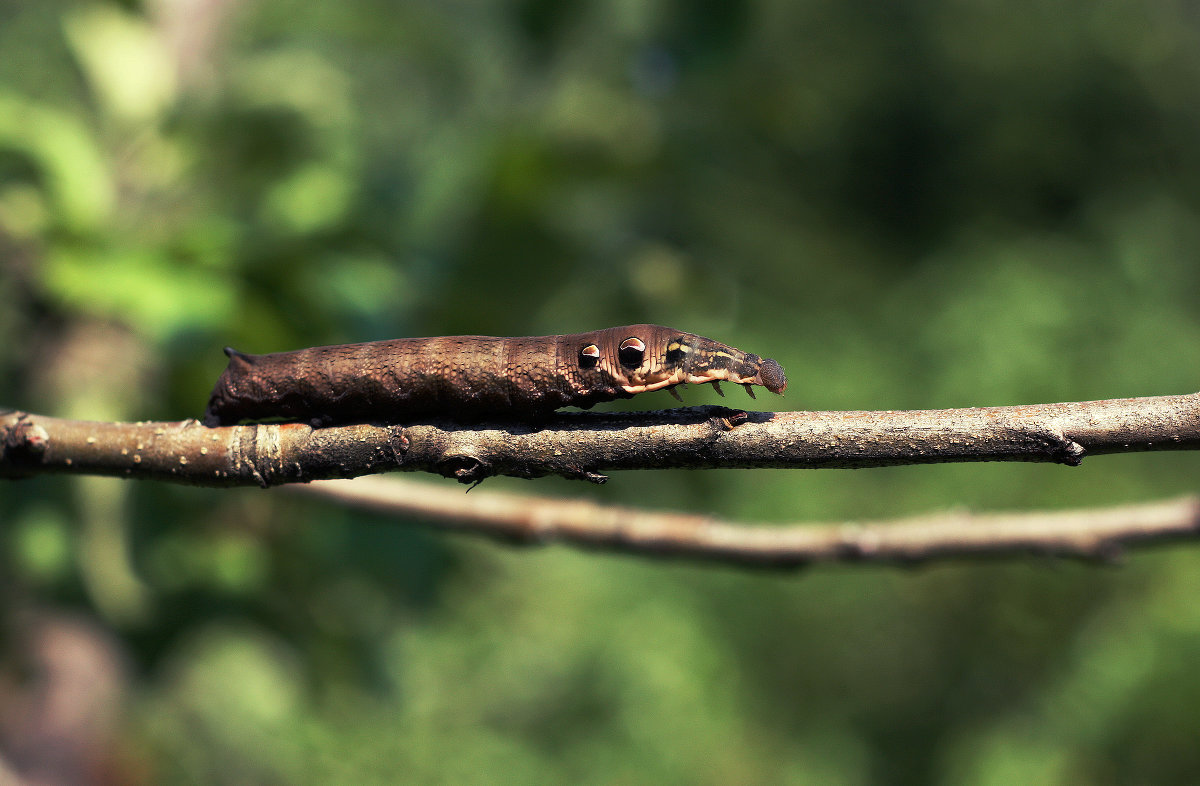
(641, 358)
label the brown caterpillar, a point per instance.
(471, 377)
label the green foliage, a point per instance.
(922, 205)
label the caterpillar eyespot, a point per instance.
(474, 377)
(589, 356)
(631, 352)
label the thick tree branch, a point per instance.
(1087, 534)
(585, 444)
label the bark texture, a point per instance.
(585, 445)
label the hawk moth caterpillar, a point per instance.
(472, 377)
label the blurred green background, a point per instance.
(924, 204)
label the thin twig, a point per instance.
(586, 444)
(1087, 534)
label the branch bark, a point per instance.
(1100, 534)
(586, 444)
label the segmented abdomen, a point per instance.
(460, 376)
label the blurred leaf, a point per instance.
(125, 60)
(43, 545)
(311, 199)
(139, 287)
(66, 159)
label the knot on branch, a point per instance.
(399, 443)
(255, 452)
(729, 420)
(1062, 449)
(465, 468)
(26, 440)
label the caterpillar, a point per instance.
(472, 377)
